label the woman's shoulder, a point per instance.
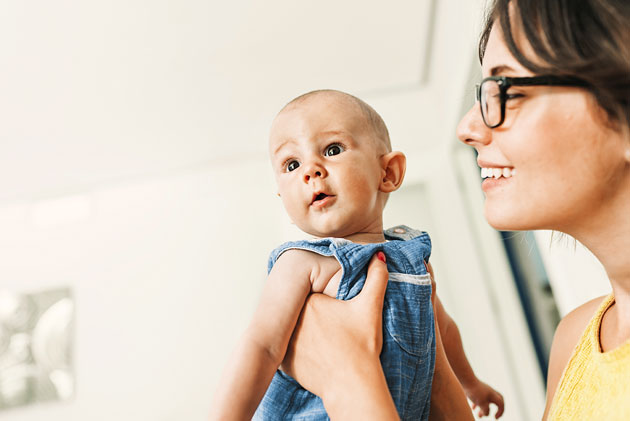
(568, 333)
(573, 324)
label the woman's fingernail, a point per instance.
(381, 256)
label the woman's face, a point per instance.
(567, 165)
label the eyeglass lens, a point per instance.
(490, 101)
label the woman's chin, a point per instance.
(503, 219)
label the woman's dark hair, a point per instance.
(587, 39)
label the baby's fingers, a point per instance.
(483, 409)
(498, 401)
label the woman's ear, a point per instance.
(394, 165)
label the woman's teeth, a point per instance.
(497, 172)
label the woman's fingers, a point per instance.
(331, 335)
(303, 359)
(375, 284)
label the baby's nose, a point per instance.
(307, 176)
(314, 170)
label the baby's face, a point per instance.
(326, 159)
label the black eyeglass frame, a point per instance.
(506, 82)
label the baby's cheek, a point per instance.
(367, 195)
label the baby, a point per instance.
(335, 168)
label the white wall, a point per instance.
(164, 272)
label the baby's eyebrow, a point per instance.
(282, 145)
(346, 136)
(334, 133)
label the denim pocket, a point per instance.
(408, 316)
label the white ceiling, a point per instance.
(93, 92)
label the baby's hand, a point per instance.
(481, 395)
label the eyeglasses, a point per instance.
(492, 93)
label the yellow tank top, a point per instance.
(595, 385)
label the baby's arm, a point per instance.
(479, 393)
(264, 343)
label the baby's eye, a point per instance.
(334, 149)
(292, 165)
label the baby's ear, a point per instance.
(393, 165)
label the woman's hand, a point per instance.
(334, 351)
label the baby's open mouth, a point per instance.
(320, 198)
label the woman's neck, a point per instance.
(607, 235)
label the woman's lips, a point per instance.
(496, 176)
(492, 183)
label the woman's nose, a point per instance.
(314, 169)
(472, 130)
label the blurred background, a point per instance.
(137, 206)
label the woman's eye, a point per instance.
(512, 96)
(292, 165)
(334, 149)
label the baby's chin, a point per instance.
(337, 232)
(325, 234)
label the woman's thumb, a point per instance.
(376, 281)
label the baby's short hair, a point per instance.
(371, 116)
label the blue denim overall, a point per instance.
(408, 354)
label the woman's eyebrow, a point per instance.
(502, 68)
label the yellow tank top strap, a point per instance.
(595, 384)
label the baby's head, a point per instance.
(333, 163)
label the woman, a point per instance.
(554, 109)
